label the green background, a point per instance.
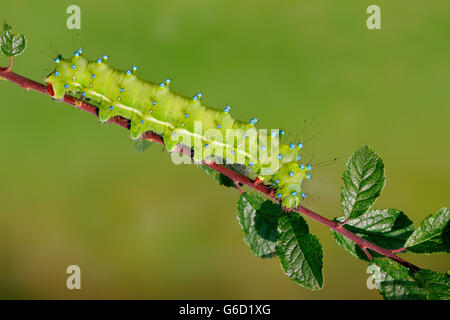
(73, 191)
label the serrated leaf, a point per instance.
(141, 144)
(363, 181)
(388, 228)
(432, 235)
(436, 284)
(11, 44)
(300, 252)
(222, 179)
(375, 220)
(259, 220)
(394, 281)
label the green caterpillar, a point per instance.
(153, 107)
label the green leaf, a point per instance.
(432, 235)
(259, 220)
(375, 220)
(388, 228)
(394, 281)
(300, 252)
(397, 282)
(141, 144)
(222, 179)
(436, 284)
(363, 181)
(11, 44)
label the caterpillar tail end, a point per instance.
(55, 88)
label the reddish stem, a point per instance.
(8, 68)
(236, 177)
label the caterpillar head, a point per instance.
(288, 183)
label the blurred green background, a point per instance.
(73, 191)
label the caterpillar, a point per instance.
(154, 107)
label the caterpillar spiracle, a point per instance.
(154, 107)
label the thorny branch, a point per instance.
(237, 178)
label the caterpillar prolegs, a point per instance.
(154, 107)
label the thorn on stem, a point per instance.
(272, 193)
(340, 225)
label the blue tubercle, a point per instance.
(253, 121)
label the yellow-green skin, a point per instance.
(153, 107)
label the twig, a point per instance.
(8, 68)
(363, 248)
(238, 186)
(236, 177)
